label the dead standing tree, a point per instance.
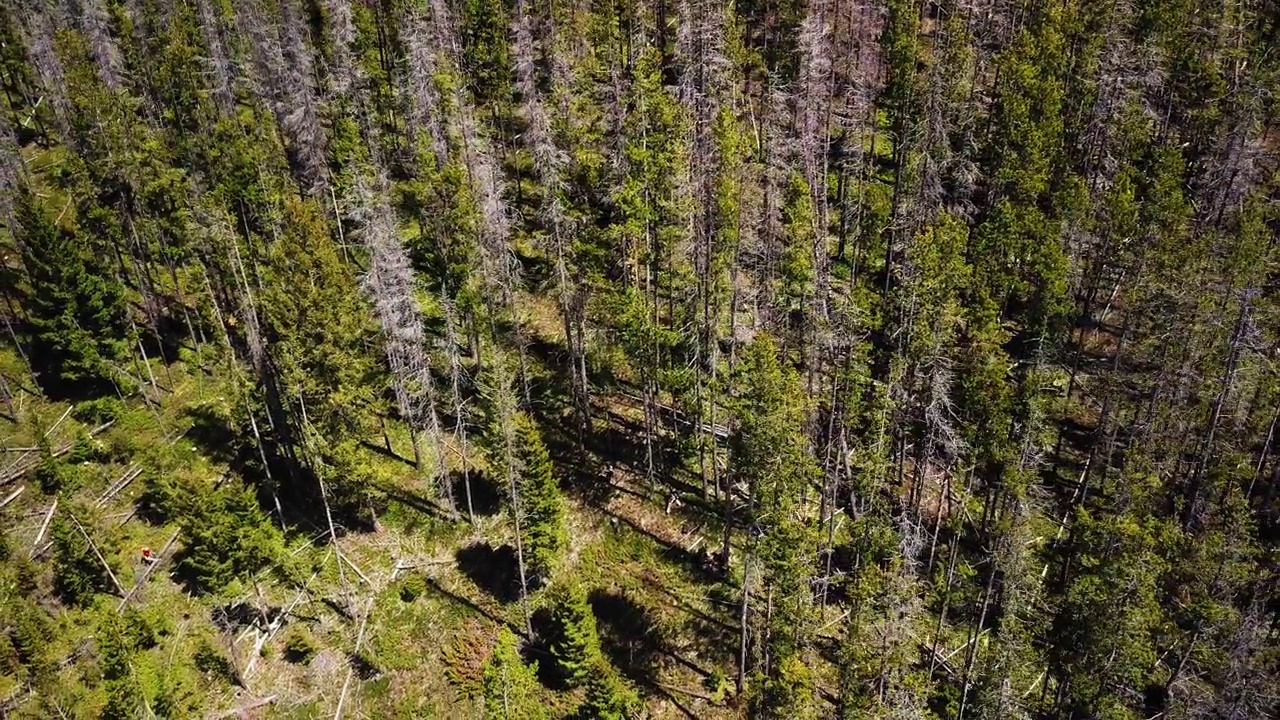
(95, 23)
(503, 426)
(283, 77)
(50, 77)
(433, 47)
(812, 121)
(703, 90)
(426, 114)
(221, 69)
(389, 283)
(548, 164)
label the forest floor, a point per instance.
(402, 617)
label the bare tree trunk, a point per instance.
(459, 407)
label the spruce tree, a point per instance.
(116, 649)
(76, 309)
(321, 384)
(78, 573)
(609, 696)
(572, 637)
(541, 502)
(510, 687)
(226, 536)
(770, 455)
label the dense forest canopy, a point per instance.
(640, 358)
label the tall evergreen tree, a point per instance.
(572, 638)
(76, 307)
(510, 686)
(541, 502)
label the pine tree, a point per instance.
(541, 502)
(124, 693)
(770, 455)
(77, 312)
(32, 636)
(226, 536)
(78, 572)
(572, 638)
(321, 382)
(609, 696)
(510, 687)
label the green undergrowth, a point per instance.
(408, 613)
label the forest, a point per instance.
(614, 359)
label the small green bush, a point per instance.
(609, 696)
(140, 629)
(718, 684)
(9, 660)
(211, 661)
(86, 449)
(55, 476)
(98, 411)
(299, 646)
(413, 586)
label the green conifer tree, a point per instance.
(541, 502)
(770, 452)
(76, 309)
(124, 693)
(573, 640)
(227, 536)
(609, 696)
(511, 687)
(78, 574)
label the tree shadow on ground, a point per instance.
(538, 649)
(388, 453)
(213, 435)
(486, 496)
(423, 504)
(628, 636)
(165, 341)
(216, 437)
(234, 617)
(468, 604)
(699, 567)
(493, 570)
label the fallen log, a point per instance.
(43, 527)
(12, 495)
(29, 460)
(243, 710)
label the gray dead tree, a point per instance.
(39, 31)
(548, 162)
(900, 632)
(503, 421)
(283, 77)
(221, 69)
(262, 63)
(344, 72)
(775, 147)
(95, 23)
(301, 121)
(812, 115)
(450, 120)
(498, 265)
(11, 171)
(460, 414)
(425, 115)
(389, 284)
